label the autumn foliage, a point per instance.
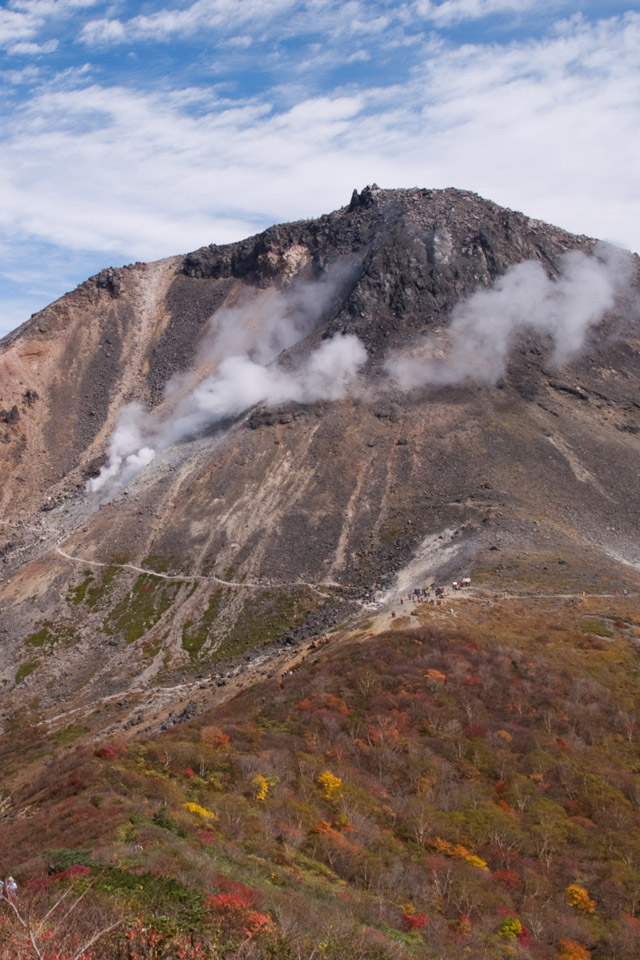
(308, 820)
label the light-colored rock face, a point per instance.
(274, 524)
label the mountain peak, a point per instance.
(274, 428)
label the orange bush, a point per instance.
(214, 737)
(579, 898)
(571, 950)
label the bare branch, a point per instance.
(94, 938)
(54, 907)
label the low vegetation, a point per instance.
(147, 601)
(434, 792)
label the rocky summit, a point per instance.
(236, 521)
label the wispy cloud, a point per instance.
(303, 17)
(169, 22)
(452, 11)
(16, 26)
(22, 21)
(285, 106)
(27, 48)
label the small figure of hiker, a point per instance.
(11, 886)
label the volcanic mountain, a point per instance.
(242, 527)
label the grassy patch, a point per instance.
(26, 670)
(597, 627)
(50, 634)
(94, 594)
(69, 733)
(143, 606)
(194, 636)
(154, 892)
(264, 618)
(77, 595)
(61, 858)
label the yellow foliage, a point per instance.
(457, 850)
(201, 811)
(427, 783)
(262, 785)
(330, 784)
(511, 928)
(450, 849)
(476, 862)
(579, 898)
(505, 735)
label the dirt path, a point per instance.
(199, 577)
(161, 703)
(390, 612)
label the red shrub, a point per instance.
(235, 913)
(110, 751)
(414, 921)
(476, 730)
(509, 879)
(75, 871)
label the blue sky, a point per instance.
(133, 131)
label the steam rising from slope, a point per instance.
(235, 370)
(236, 366)
(483, 328)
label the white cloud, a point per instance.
(452, 11)
(550, 126)
(183, 21)
(22, 20)
(102, 31)
(51, 8)
(16, 26)
(27, 48)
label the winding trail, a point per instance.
(199, 577)
(206, 691)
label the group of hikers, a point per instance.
(431, 594)
(8, 888)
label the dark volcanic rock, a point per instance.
(10, 416)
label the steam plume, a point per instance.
(236, 366)
(235, 370)
(483, 328)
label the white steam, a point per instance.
(483, 328)
(235, 370)
(237, 366)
